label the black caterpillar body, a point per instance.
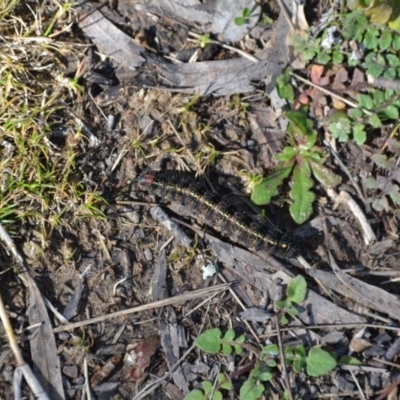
(213, 211)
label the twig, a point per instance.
(345, 198)
(22, 366)
(284, 369)
(345, 170)
(156, 304)
(225, 46)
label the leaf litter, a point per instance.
(172, 79)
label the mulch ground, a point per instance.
(212, 123)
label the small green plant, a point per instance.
(386, 184)
(301, 159)
(295, 294)
(379, 11)
(212, 342)
(209, 391)
(244, 18)
(316, 361)
(204, 40)
(379, 58)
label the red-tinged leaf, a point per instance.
(144, 352)
(316, 75)
(301, 208)
(324, 175)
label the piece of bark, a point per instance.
(43, 344)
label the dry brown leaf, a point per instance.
(143, 354)
(106, 370)
(358, 345)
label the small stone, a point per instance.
(71, 371)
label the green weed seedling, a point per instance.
(295, 294)
(209, 391)
(301, 159)
(244, 18)
(315, 361)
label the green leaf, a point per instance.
(324, 175)
(281, 304)
(195, 395)
(246, 12)
(366, 101)
(348, 360)
(374, 121)
(210, 341)
(300, 130)
(217, 395)
(297, 289)
(373, 68)
(319, 362)
(284, 87)
(396, 43)
(226, 349)
(371, 183)
(355, 113)
(238, 349)
(393, 60)
(337, 57)
(300, 358)
(241, 339)
(391, 112)
(385, 40)
(323, 58)
(226, 384)
(207, 387)
(308, 54)
(301, 208)
(291, 310)
(359, 134)
(229, 335)
(371, 38)
(340, 129)
(239, 21)
(268, 188)
(271, 350)
(284, 320)
(251, 390)
(287, 154)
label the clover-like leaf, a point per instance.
(301, 195)
(359, 134)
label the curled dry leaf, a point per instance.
(143, 354)
(106, 370)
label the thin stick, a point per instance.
(285, 374)
(156, 304)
